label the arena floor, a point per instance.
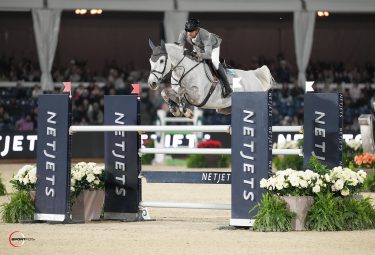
(176, 231)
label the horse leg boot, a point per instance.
(185, 109)
(226, 90)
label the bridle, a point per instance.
(153, 71)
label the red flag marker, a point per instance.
(136, 88)
(67, 86)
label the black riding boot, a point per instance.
(226, 90)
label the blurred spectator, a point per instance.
(355, 92)
(25, 123)
(95, 114)
(36, 91)
(4, 119)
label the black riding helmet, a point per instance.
(192, 25)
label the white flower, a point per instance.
(303, 184)
(90, 178)
(25, 180)
(345, 192)
(98, 170)
(354, 144)
(339, 185)
(263, 183)
(96, 182)
(327, 178)
(294, 180)
(316, 189)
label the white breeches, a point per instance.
(215, 56)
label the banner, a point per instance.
(122, 163)
(53, 166)
(323, 128)
(251, 152)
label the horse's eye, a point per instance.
(161, 61)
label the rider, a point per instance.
(206, 46)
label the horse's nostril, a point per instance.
(154, 84)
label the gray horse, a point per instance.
(192, 82)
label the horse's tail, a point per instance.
(265, 77)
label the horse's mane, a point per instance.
(174, 45)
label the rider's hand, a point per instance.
(196, 56)
(187, 52)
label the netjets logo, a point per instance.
(17, 239)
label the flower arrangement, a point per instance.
(293, 183)
(332, 205)
(365, 160)
(340, 181)
(86, 176)
(344, 181)
(25, 178)
(200, 161)
(209, 144)
(83, 176)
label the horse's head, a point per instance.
(160, 65)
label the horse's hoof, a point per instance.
(176, 113)
(189, 113)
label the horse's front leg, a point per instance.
(184, 106)
(171, 98)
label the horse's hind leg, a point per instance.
(171, 98)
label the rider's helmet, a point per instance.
(192, 25)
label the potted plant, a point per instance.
(20, 208)
(87, 191)
(25, 180)
(21, 204)
(87, 188)
(296, 188)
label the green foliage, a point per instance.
(316, 166)
(369, 183)
(196, 161)
(273, 215)
(147, 158)
(3, 190)
(325, 214)
(357, 214)
(288, 161)
(224, 161)
(200, 161)
(19, 208)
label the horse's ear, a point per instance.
(152, 46)
(162, 44)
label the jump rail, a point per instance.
(220, 151)
(174, 128)
(186, 205)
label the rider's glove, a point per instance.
(197, 56)
(186, 52)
